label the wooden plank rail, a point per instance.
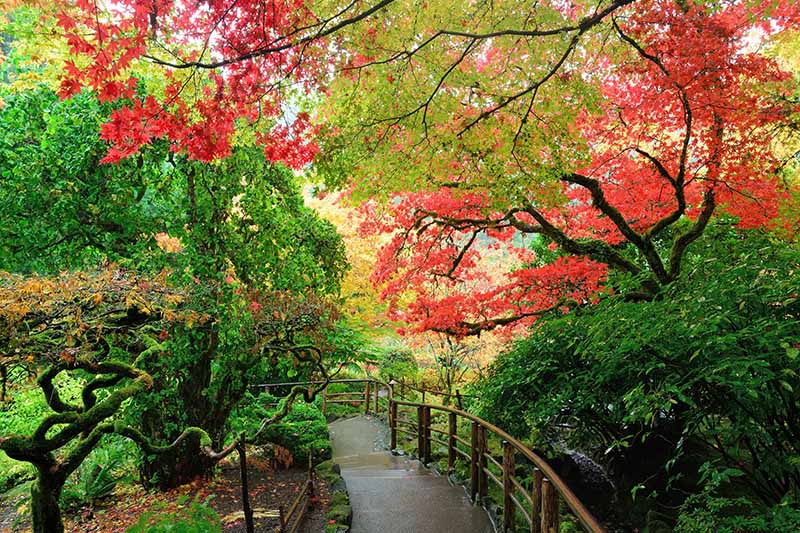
(546, 486)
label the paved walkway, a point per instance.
(391, 494)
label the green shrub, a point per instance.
(197, 517)
(707, 372)
(711, 510)
(396, 362)
(109, 464)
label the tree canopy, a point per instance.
(614, 143)
(596, 128)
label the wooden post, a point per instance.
(509, 511)
(427, 431)
(366, 399)
(459, 403)
(536, 501)
(549, 507)
(483, 478)
(452, 431)
(393, 423)
(248, 511)
(310, 482)
(473, 485)
(420, 432)
(324, 398)
(423, 396)
(377, 409)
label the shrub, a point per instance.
(707, 372)
(711, 510)
(397, 362)
(304, 430)
(98, 475)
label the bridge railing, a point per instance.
(368, 397)
(536, 500)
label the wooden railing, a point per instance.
(368, 397)
(401, 386)
(541, 512)
(537, 503)
(290, 522)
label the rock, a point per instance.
(658, 523)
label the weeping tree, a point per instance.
(97, 329)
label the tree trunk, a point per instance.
(196, 407)
(45, 512)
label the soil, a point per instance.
(270, 489)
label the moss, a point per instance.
(340, 498)
(340, 509)
(328, 471)
(14, 473)
(340, 512)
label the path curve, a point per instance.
(392, 494)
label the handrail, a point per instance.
(584, 515)
(317, 382)
(417, 388)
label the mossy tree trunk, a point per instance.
(45, 511)
(194, 406)
(78, 429)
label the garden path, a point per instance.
(393, 494)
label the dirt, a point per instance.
(270, 489)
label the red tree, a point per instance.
(223, 63)
(671, 115)
(616, 129)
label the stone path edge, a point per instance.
(340, 513)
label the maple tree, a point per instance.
(224, 62)
(614, 131)
(99, 327)
(612, 134)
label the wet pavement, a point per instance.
(392, 494)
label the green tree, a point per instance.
(236, 231)
(99, 328)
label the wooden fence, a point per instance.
(288, 522)
(369, 397)
(291, 520)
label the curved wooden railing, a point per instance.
(456, 397)
(539, 503)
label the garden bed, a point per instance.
(269, 490)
